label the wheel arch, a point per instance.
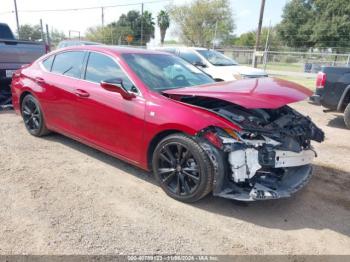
(154, 142)
(344, 99)
(22, 96)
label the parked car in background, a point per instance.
(237, 139)
(14, 54)
(67, 43)
(333, 90)
(214, 63)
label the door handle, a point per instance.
(81, 93)
(39, 80)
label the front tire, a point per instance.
(182, 168)
(33, 116)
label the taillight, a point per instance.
(321, 80)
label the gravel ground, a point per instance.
(61, 197)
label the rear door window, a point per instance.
(47, 63)
(69, 63)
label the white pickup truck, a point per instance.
(215, 64)
(13, 54)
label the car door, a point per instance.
(105, 118)
(62, 81)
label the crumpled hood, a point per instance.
(250, 93)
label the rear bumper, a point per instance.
(315, 99)
(5, 91)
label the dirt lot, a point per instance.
(61, 197)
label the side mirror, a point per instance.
(199, 64)
(116, 85)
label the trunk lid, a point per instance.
(249, 93)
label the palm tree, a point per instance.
(148, 26)
(163, 22)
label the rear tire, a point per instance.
(182, 168)
(347, 116)
(33, 116)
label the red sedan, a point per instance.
(238, 140)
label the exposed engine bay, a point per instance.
(269, 158)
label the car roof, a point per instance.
(77, 41)
(181, 47)
(114, 49)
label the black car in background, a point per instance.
(333, 90)
(14, 54)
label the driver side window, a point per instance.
(101, 67)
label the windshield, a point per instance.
(161, 71)
(217, 58)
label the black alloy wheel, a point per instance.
(182, 168)
(32, 116)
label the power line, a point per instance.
(87, 8)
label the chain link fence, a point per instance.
(310, 62)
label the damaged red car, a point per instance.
(239, 140)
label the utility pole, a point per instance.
(267, 45)
(141, 24)
(215, 31)
(103, 17)
(48, 37)
(42, 30)
(262, 7)
(17, 21)
(103, 24)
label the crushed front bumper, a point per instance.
(294, 179)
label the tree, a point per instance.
(133, 19)
(332, 24)
(296, 26)
(163, 22)
(29, 32)
(148, 27)
(248, 39)
(199, 21)
(110, 34)
(128, 24)
(56, 36)
(316, 23)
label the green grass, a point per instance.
(307, 82)
(283, 67)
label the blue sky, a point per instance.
(245, 12)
